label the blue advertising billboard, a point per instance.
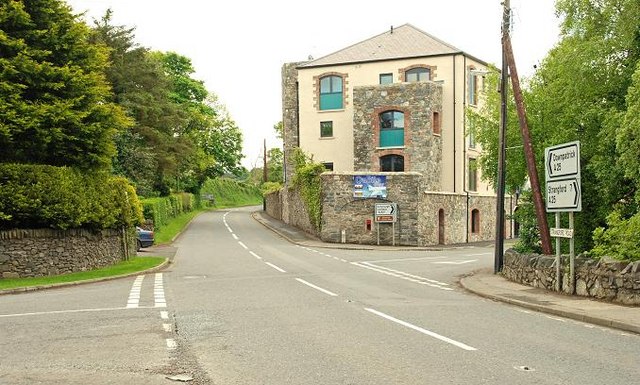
(369, 186)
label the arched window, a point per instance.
(393, 163)
(391, 129)
(419, 74)
(331, 93)
(475, 221)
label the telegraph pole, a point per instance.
(499, 241)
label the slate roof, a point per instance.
(402, 42)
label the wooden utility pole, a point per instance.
(264, 165)
(541, 215)
(499, 236)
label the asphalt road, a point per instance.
(241, 305)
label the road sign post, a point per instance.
(386, 213)
(562, 176)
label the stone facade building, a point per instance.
(392, 108)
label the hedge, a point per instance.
(42, 196)
(162, 210)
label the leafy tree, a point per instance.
(582, 92)
(55, 105)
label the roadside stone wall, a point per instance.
(422, 150)
(44, 252)
(612, 281)
(273, 203)
(294, 211)
(341, 211)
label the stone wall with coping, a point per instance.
(341, 211)
(613, 281)
(45, 252)
(294, 211)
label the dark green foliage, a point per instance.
(621, 239)
(228, 192)
(529, 236)
(161, 210)
(306, 177)
(54, 99)
(37, 196)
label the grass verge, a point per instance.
(124, 267)
(175, 225)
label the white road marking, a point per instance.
(421, 330)
(556, 319)
(405, 259)
(234, 236)
(164, 314)
(454, 262)
(158, 292)
(316, 287)
(275, 267)
(67, 311)
(171, 344)
(134, 295)
(255, 255)
(405, 276)
(167, 328)
(243, 245)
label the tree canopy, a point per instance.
(585, 90)
(55, 101)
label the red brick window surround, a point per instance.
(316, 89)
(436, 123)
(375, 158)
(432, 71)
(375, 124)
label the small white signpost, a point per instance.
(564, 194)
(386, 213)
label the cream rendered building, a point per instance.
(393, 105)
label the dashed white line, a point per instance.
(405, 276)
(164, 314)
(275, 267)
(243, 245)
(422, 330)
(255, 255)
(167, 328)
(316, 287)
(134, 295)
(171, 344)
(234, 236)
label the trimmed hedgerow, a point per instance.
(37, 196)
(162, 210)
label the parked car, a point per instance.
(144, 237)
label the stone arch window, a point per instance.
(331, 92)
(391, 128)
(392, 163)
(417, 74)
(475, 221)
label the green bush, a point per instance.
(307, 178)
(162, 210)
(620, 240)
(36, 196)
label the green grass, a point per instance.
(175, 225)
(124, 267)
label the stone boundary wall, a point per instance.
(294, 211)
(45, 252)
(273, 204)
(341, 211)
(612, 281)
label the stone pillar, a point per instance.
(290, 116)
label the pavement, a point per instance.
(494, 286)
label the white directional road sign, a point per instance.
(386, 212)
(562, 174)
(564, 195)
(562, 160)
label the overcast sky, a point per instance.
(238, 47)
